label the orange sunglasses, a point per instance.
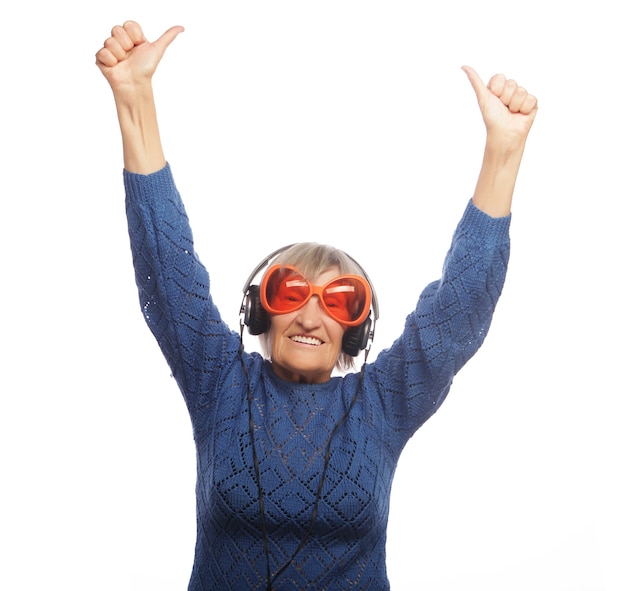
(346, 298)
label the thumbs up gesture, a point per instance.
(127, 59)
(507, 108)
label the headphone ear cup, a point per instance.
(356, 337)
(255, 317)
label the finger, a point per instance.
(496, 84)
(113, 45)
(134, 32)
(517, 100)
(106, 58)
(529, 105)
(122, 37)
(510, 87)
(164, 40)
(477, 84)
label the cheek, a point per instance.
(335, 329)
(336, 333)
(278, 325)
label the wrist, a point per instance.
(498, 174)
(132, 95)
(504, 147)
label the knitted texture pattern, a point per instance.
(292, 422)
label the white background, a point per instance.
(336, 121)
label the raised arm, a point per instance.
(128, 61)
(508, 111)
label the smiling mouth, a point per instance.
(306, 340)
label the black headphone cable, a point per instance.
(257, 469)
(270, 579)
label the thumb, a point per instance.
(164, 40)
(477, 84)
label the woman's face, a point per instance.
(306, 343)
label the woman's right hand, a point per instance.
(128, 60)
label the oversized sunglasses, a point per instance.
(346, 298)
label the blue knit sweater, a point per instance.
(401, 389)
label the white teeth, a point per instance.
(306, 340)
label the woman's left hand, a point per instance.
(507, 108)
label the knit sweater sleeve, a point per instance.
(448, 325)
(174, 286)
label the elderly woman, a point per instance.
(295, 463)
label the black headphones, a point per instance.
(256, 318)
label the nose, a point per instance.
(311, 314)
